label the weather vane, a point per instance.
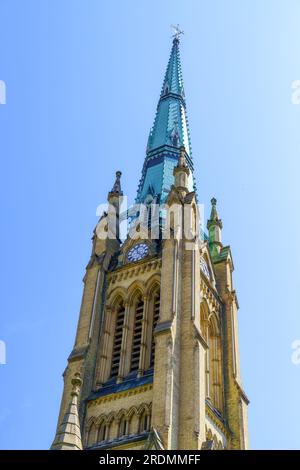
(177, 31)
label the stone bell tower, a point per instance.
(155, 364)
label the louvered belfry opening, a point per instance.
(137, 335)
(117, 341)
(156, 307)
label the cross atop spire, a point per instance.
(177, 32)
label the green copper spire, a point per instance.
(170, 124)
(169, 132)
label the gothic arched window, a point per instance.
(144, 422)
(116, 353)
(102, 432)
(122, 427)
(156, 308)
(137, 334)
(92, 435)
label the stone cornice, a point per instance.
(209, 285)
(130, 271)
(242, 393)
(121, 394)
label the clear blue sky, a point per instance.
(83, 79)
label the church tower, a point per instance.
(155, 364)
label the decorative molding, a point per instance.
(139, 268)
(209, 295)
(121, 394)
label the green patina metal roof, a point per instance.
(169, 132)
(170, 125)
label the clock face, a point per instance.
(204, 268)
(138, 252)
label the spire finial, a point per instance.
(214, 225)
(214, 214)
(181, 159)
(76, 384)
(177, 32)
(68, 435)
(116, 189)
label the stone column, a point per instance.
(165, 404)
(235, 399)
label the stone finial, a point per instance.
(68, 435)
(214, 218)
(76, 383)
(182, 159)
(116, 189)
(181, 171)
(214, 225)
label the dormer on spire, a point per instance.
(181, 159)
(181, 172)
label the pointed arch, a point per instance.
(102, 430)
(115, 295)
(91, 420)
(137, 288)
(110, 418)
(92, 434)
(101, 418)
(133, 420)
(144, 418)
(123, 426)
(132, 411)
(142, 408)
(152, 284)
(120, 413)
